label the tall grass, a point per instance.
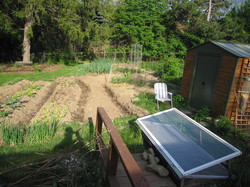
(12, 134)
(99, 66)
(16, 134)
(40, 131)
(66, 159)
(130, 132)
(148, 102)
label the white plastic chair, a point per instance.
(162, 94)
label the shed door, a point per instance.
(204, 80)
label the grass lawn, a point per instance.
(68, 158)
(65, 71)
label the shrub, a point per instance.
(180, 102)
(171, 72)
(224, 125)
(201, 114)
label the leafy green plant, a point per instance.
(4, 113)
(37, 69)
(19, 94)
(171, 72)
(31, 90)
(125, 79)
(51, 114)
(224, 124)
(13, 81)
(179, 102)
(153, 66)
(13, 102)
(201, 114)
(128, 70)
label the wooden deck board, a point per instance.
(153, 179)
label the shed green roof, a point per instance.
(239, 50)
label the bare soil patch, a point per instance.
(73, 99)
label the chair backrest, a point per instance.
(161, 90)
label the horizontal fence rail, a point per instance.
(117, 149)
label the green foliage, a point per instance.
(40, 131)
(13, 102)
(125, 79)
(240, 139)
(2, 69)
(4, 113)
(51, 114)
(128, 70)
(139, 21)
(147, 101)
(37, 69)
(13, 81)
(16, 134)
(171, 72)
(201, 114)
(152, 66)
(69, 156)
(31, 90)
(64, 71)
(130, 133)
(179, 102)
(12, 134)
(99, 66)
(224, 125)
(17, 95)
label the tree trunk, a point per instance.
(26, 39)
(209, 10)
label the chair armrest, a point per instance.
(170, 94)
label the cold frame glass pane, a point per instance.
(188, 144)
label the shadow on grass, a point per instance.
(64, 160)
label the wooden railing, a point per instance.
(117, 149)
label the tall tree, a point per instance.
(30, 15)
(236, 24)
(139, 21)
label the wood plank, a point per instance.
(153, 179)
(120, 149)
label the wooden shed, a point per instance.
(217, 75)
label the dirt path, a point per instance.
(71, 99)
(99, 97)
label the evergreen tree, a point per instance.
(139, 21)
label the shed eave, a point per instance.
(238, 50)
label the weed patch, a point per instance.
(125, 79)
(130, 132)
(97, 66)
(148, 102)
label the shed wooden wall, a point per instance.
(241, 120)
(232, 102)
(187, 77)
(228, 84)
(224, 81)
